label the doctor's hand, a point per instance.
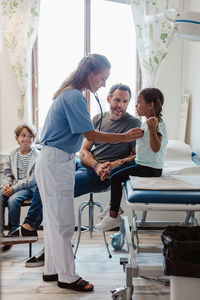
(133, 134)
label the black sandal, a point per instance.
(52, 277)
(80, 287)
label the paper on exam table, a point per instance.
(179, 172)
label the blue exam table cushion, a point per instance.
(161, 196)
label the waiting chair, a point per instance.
(81, 229)
(15, 241)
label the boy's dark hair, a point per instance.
(119, 86)
(156, 96)
(29, 127)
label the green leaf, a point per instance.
(163, 56)
(163, 37)
(156, 60)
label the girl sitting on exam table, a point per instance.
(149, 158)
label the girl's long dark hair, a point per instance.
(156, 96)
(79, 78)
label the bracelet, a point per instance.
(95, 166)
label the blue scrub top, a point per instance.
(68, 118)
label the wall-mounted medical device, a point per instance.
(186, 24)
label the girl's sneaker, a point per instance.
(106, 210)
(108, 223)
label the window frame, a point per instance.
(35, 110)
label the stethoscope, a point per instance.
(98, 101)
(101, 111)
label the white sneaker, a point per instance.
(106, 210)
(102, 214)
(108, 223)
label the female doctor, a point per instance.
(67, 122)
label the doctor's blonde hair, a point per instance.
(79, 78)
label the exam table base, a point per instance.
(131, 268)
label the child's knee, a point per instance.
(14, 201)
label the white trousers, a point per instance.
(55, 178)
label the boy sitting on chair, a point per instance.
(19, 176)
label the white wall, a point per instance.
(191, 80)
(180, 74)
(170, 83)
(9, 98)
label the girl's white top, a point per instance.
(145, 155)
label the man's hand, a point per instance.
(103, 168)
(126, 160)
(133, 134)
(9, 192)
(105, 176)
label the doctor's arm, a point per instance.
(105, 137)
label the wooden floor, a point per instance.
(92, 263)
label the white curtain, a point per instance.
(154, 33)
(20, 25)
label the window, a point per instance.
(61, 46)
(113, 34)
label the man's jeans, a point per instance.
(86, 181)
(14, 207)
(34, 216)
